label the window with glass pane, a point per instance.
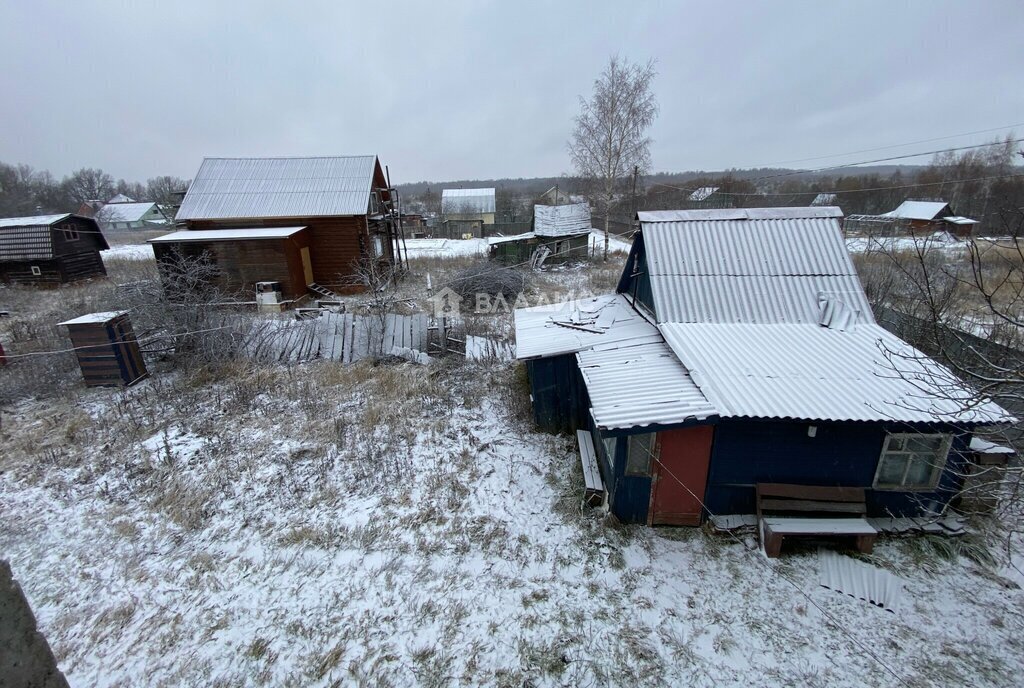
(638, 460)
(912, 462)
(609, 450)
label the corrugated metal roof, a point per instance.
(572, 326)
(747, 266)
(28, 238)
(227, 234)
(808, 372)
(240, 188)
(634, 385)
(123, 212)
(917, 210)
(561, 220)
(467, 201)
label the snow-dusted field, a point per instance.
(129, 252)
(397, 525)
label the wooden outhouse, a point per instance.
(107, 349)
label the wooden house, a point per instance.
(50, 250)
(927, 217)
(125, 215)
(739, 349)
(344, 203)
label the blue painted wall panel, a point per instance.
(842, 454)
(560, 399)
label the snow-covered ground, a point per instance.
(396, 525)
(445, 248)
(129, 252)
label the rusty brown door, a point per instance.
(679, 476)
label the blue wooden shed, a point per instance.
(738, 349)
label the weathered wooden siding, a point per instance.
(20, 272)
(76, 266)
(560, 399)
(108, 353)
(89, 239)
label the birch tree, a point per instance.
(610, 137)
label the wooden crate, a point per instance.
(107, 350)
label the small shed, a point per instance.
(563, 230)
(49, 250)
(107, 350)
(740, 349)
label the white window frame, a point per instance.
(36, 271)
(938, 462)
(633, 456)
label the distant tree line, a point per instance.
(996, 197)
(28, 191)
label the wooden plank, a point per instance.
(818, 526)
(389, 332)
(833, 494)
(588, 457)
(348, 334)
(421, 335)
(810, 505)
(360, 338)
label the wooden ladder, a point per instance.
(322, 292)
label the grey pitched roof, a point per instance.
(245, 188)
(752, 265)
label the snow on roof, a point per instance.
(121, 198)
(738, 214)
(31, 238)
(226, 235)
(703, 193)
(807, 372)
(123, 212)
(465, 201)
(773, 265)
(959, 220)
(918, 210)
(94, 318)
(824, 199)
(666, 396)
(561, 220)
(514, 237)
(985, 447)
(240, 188)
(32, 220)
(572, 326)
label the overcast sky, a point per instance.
(479, 90)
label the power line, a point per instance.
(897, 145)
(889, 159)
(850, 191)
